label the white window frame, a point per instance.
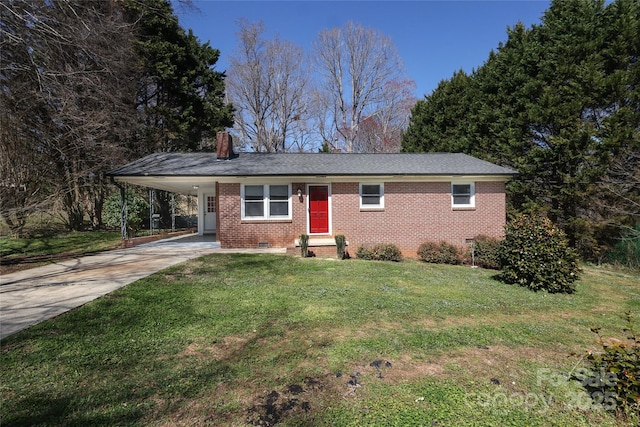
(266, 203)
(472, 195)
(380, 205)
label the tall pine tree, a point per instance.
(180, 95)
(434, 121)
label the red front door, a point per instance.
(318, 209)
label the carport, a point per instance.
(191, 175)
(202, 187)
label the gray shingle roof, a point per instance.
(304, 164)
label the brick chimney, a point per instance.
(224, 146)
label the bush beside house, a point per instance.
(536, 254)
(380, 252)
(440, 253)
(486, 252)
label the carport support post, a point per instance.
(151, 212)
(173, 212)
(123, 213)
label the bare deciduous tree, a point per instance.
(24, 172)
(66, 99)
(621, 185)
(382, 131)
(266, 83)
(355, 64)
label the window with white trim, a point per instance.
(463, 195)
(268, 201)
(371, 196)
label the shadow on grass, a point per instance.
(246, 261)
(123, 359)
(229, 263)
(42, 409)
(104, 371)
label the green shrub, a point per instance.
(137, 211)
(486, 252)
(615, 380)
(380, 252)
(536, 254)
(341, 244)
(439, 253)
(363, 253)
(428, 252)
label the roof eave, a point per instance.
(307, 176)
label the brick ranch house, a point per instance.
(251, 200)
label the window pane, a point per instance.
(461, 194)
(461, 200)
(278, 208)
(253, 192)
(279, 192)
(253, 208)
(371, 189)
(462, 190)
(370, 200)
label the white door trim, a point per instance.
(330, 213)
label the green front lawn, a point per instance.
(266, 339)
(62, 243)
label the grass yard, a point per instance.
(266, 339)
(20, 253)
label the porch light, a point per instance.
(195, 187)
(299, 192)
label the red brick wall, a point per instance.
(236, 233)
(414, 212)
(417, 212)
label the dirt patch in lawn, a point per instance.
(407, 369)
(293, 401)
(298, 401)
(495, 364)
(498, 365)
(222, 349)
(184, 273)
(301, 397)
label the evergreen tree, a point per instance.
(435, 120)
(180, 95)
(558, 102)
(566, 112)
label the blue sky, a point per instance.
(433, 38)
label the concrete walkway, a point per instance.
(31, 296)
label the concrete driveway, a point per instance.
(32, 296)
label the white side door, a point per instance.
(209, 213)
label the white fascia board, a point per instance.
(361, 178)
(183, 182)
